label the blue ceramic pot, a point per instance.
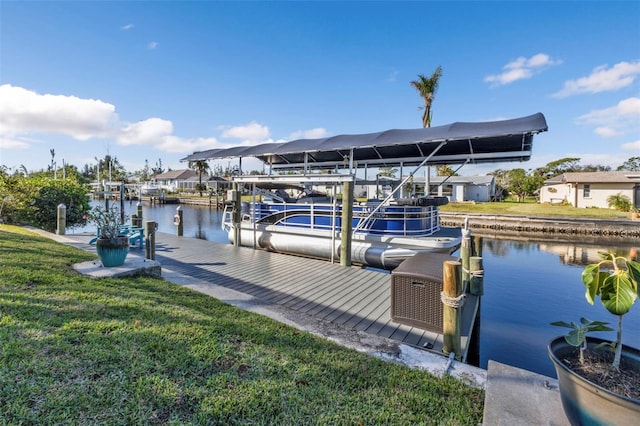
(112, 252)
(586, 403)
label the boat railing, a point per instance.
(227, 218)
(396, 221)
(405, 221)
(416, 222)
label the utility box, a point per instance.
(415, 291)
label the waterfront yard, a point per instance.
(145, 351)
(533, 209)
(530, 207)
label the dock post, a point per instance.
(347, 225)
(150, 240)
(122, 215)
(107, 194)
(62, 219)
(139, 215)
(177, 220)
(477, 245)
(234, 195)
(465, 253)
(476, 286)
(453, 301)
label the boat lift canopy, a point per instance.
(457, 143)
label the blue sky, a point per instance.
(160, 80)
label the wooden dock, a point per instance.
(350, 297)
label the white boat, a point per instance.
(384, 234)
(149, 189)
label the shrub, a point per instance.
(34, 200)
(619, 202)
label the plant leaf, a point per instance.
(634, 272)
(591, 279)
(618, 294)
(562, 324)
(575, 337)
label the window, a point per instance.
(587, 190)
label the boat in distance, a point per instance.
(383, 235)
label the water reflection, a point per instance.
(530, 285)
(577, 252)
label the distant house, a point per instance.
(373, 189)
(459, 188)
(591, 189)
(455, 188)
(211, 182)
(172, 181)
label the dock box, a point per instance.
(415, 291)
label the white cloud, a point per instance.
(606, 132)
(145, 132)
(252, 132)
(602, 79)
(522, 68)
(632, 146)
(393, 76)
(316, 133)
(152, 45)
(158, 133)
(621, 118)
(10, 143)
(187, 145)
(127, 27)
(24, 111)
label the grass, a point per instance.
(145, 351)
(533, 209)
(530, 207)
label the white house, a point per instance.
(173, 180)
(591, 189)
(459, 188)
(455, 188)
(211, 182)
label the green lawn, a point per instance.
(529, 208)
(145, 351)
(533, 209)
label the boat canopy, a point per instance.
(457, 143)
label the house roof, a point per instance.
(473, 180)
(177, 174)
(206, 178)
(456, 143)
(595, 177)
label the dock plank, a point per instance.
(353, 297)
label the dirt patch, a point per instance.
(597, 369)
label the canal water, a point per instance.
(527, 285)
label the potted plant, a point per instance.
(600, 380)
(111, 246)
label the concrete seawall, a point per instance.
(509, 225)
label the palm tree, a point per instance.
(201, 166)
(427, 88)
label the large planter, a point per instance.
(586, 403)
(112, 252)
